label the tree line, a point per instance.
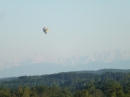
(70, 84)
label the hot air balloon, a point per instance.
(45, 30)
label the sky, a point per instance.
(76, 27)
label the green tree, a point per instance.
(112, 89)
(20, 91)
(4, 92)
(81, 93)
(26, 92)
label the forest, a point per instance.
(102, 83)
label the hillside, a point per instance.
(60, 79)
(70, 84)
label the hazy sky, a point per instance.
(76, 27)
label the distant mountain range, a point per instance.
(106, 57)
(41, 64)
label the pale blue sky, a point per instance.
(76, 27)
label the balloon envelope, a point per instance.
(45, 30)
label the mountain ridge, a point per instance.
(35, 65)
